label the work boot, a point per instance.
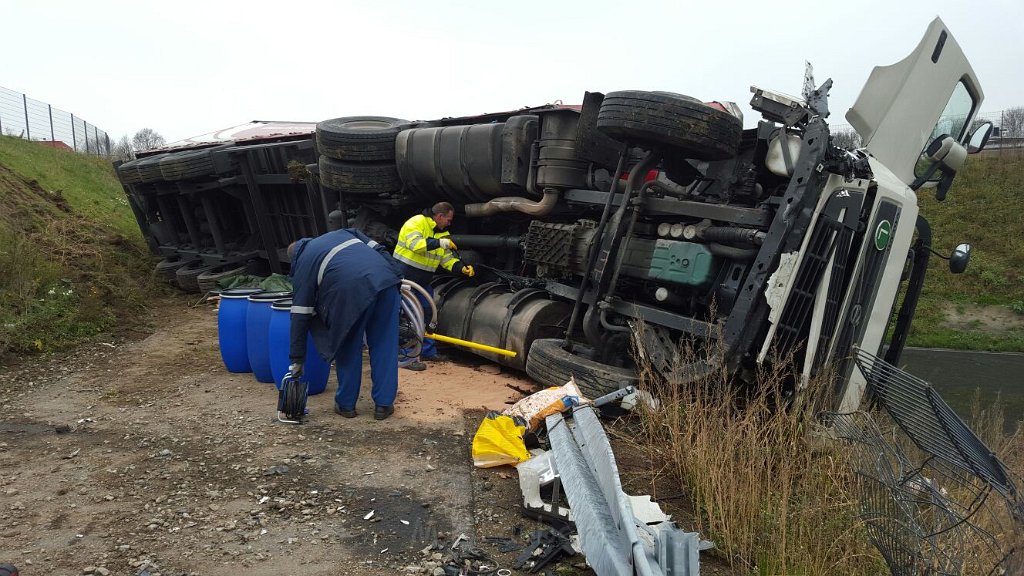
(343, 412)
(415, 366)
(382, 412)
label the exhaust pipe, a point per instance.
(515, 204)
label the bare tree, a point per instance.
(146, 139)
(847, 139)
(1011, 123)
(123, 149)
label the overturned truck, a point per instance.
(636, 208)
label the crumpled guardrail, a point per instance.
(616, 538)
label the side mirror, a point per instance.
(959, 258)
(979, 137)
(941, 159)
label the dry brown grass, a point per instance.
(773, 497)
(768, 485)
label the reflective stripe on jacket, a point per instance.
(412, 245)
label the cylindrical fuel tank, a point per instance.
(461, 164)
(492, 314)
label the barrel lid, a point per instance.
(269, 296)
(282, 304)
(239, 292)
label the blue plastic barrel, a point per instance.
(257, 326)
(231, 316)
(315, 371)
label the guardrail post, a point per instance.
(28, 131)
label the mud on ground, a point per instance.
(142, 455)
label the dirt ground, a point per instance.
(992, 320)
(143, 455)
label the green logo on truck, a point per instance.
(883, 234)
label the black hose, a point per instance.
(485, 241)
(732, 252)
(729, 235)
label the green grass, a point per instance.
(88, 183)
(984, 209)
(73, 263)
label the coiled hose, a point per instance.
(412, 323)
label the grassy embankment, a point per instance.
(984, 209)
(73, 263)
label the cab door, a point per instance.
(903, 106)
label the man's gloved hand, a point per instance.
(447, 244)
(468, 271)
(295, 370)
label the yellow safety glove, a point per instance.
(468, 271)
(447, 244)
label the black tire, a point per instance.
(364, 179)
(149, 168)
(359, 138)
(550, 365)
(128, 173)
(167, 269)
(207, 280)
(188, 275)
(188, 165)
(672, 122)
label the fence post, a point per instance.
(96, 135)
(85, 128)
(50, 110)
(107, 138)
(74, 138)
(24, 103)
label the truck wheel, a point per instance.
(359, 138)
(189, 164)
(672, 122)
(550, 365)
(167, 269)
(128, 173)
(188, 275)
(208, 279)
(149, 168)
(353, 178)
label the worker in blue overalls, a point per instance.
(346, 287)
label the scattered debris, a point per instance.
(545, 547)
(276, 470)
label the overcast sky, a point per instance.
(186, 67)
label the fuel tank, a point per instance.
(493, 314)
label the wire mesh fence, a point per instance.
(27, 118)
(933, 497)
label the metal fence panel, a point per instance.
(32, 119)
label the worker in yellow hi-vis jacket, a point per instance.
(423, 246)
